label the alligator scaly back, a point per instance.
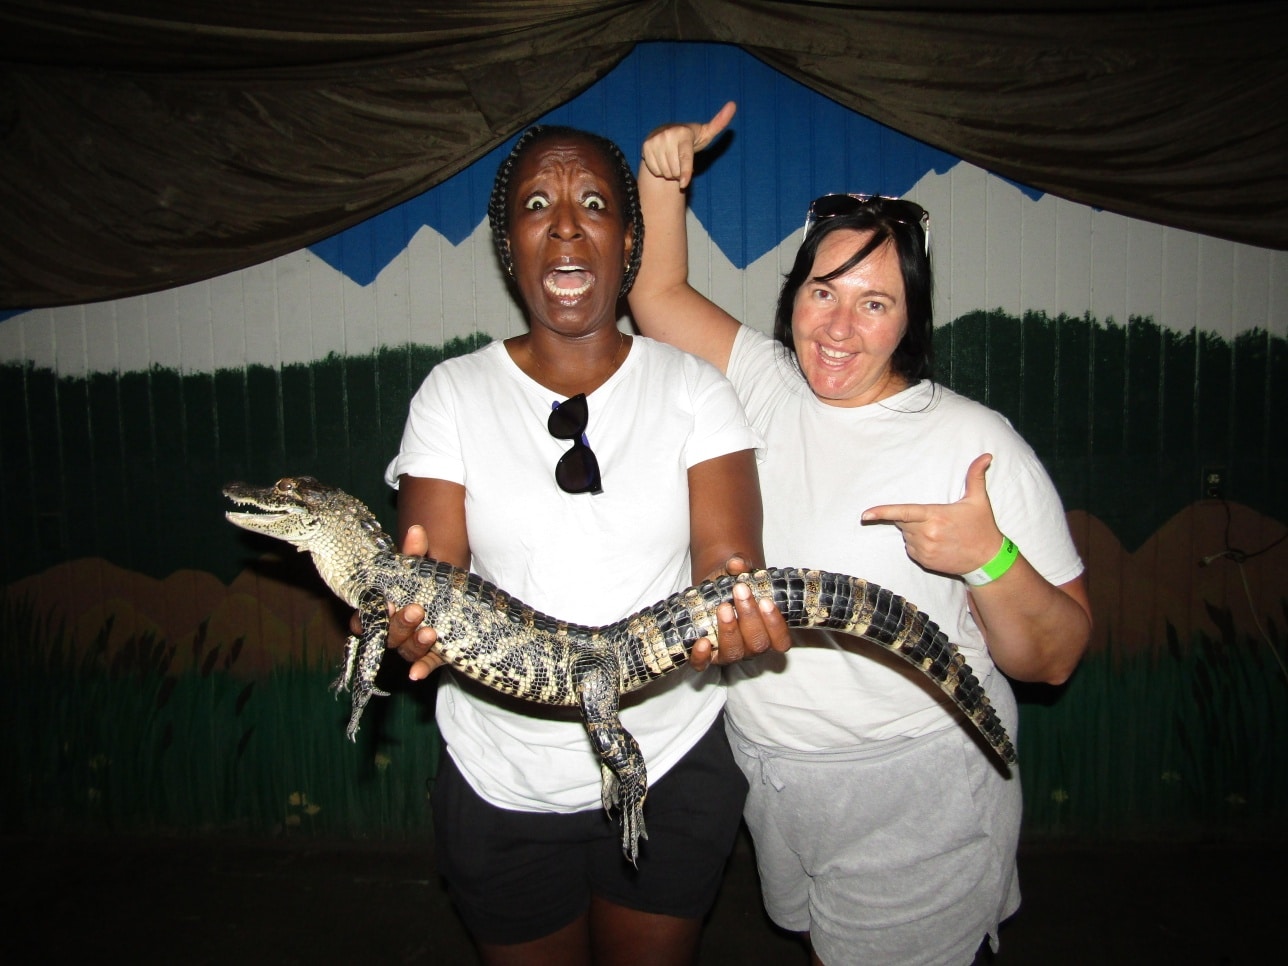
(506, 645)
(667, 630)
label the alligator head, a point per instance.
(336, 528)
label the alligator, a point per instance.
(499, 641)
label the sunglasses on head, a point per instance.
(577, 470)
(900, 210)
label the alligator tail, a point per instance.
(661, 636)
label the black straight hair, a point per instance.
(913, 358)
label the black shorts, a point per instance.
(517, 876)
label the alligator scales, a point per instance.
(504, 644)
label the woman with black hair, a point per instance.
(882, 830)
(589, 474)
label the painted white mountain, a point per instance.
(993, 247)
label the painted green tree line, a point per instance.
(128, 466)
(1126, 417)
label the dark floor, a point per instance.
(180, 901)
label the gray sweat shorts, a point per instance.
(900, 851)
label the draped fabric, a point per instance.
(146, 144)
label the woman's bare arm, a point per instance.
(663, 304)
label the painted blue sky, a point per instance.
(748, 199)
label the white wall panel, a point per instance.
(357, 305)
(69, 341)
(1177, 290)
(392, 308)
(322, 309)
(133, 352)
(1037, 260)
(1250, 280)
(193, 312)
(966, 266)
(162, 322)
(1150, 272)
(1278, 285)
(1073, 259)
(230, 320)
(261, 341)
(1003, 236)
(1214, 302)
(102, 352)
(294, 311)
(1109, 248)
(426, 288)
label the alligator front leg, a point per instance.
(625, 779)
(362, 656)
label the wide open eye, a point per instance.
(536, 202)
(594, 202)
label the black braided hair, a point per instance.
(498, 206)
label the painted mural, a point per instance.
(172, 672)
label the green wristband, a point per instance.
(999, 565)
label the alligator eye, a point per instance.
(285, 484)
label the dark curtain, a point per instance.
(147, 144)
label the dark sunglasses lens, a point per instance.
(578, 471)
(829, 206)
(909, 212)
(568, 419)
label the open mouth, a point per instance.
(258, 515)
(569, 282)
(835, 355)
(258, 503)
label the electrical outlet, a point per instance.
(1213, 483)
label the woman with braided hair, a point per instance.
(589, 474)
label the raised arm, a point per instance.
(1036, 630)
(664, 305)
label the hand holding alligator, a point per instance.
(747, 627)
(408, 634)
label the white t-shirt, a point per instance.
(478, 420)
(823, 466)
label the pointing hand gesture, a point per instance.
(669, 150)
(950, 538)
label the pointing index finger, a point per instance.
(896, 513)
(706, 133)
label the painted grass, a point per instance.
(1188, 744)
(127, 746)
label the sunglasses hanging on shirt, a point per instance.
(577, 470)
